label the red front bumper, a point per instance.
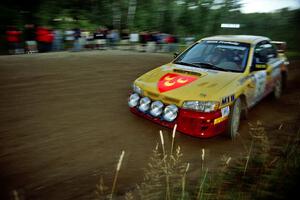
(191, 122)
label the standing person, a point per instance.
(29, 37)
(170, 40)
(44, 37)
(40, 38)
(69, 39)
(99, 39)
(49, 37)
(13, 38)
(58, 40)
(77, 42)
(114, 38)
(143, 41)
(84, 38)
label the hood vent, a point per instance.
(187, 72)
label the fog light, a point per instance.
(170, 113)
(156, 108)
(144, 104)
(133, 100)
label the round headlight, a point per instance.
(156, 108)
(144, 104)
(170, 113)
(133, 100)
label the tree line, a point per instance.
(198, 18)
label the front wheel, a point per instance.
(234, 119)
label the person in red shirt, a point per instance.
(44, 37)
(13, 38)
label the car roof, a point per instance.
(252, 39)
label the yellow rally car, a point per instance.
(208, 88)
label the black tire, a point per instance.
(234, 119)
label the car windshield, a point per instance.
(218, 55)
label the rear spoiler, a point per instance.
(280, 45)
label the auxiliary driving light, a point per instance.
(133, 100)
(144, 104)
(156, 108)
(170, 113)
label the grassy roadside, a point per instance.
(267, 170)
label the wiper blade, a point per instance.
(209, 66)
(187, 64)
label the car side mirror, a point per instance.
(176, 54)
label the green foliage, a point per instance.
(197, 18)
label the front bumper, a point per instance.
(192, 123)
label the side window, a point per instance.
(260, 53)
(263, 52)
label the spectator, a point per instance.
(44, 37)
(84, 35)
(100, 39)
(77, 39)
(58, 40)
(69, 39)
(29, 37)
(171, 42)
(114, 37)
(13, 39)
(89, 40)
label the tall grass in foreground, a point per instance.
(260, 174)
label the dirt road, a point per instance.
(64, 121)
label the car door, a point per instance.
(265, 68)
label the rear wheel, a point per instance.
(234, 119)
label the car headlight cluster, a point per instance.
(133, 100)
(202, 106)
(170, 113)
(155, 108)
(144, 104)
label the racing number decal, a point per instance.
(260, 79)
(172, 81)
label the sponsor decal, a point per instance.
(228, 99)
(225, 111)
(260, 78)
(172, 81)
(222, 42)
(261, 66)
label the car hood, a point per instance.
(173, 83)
